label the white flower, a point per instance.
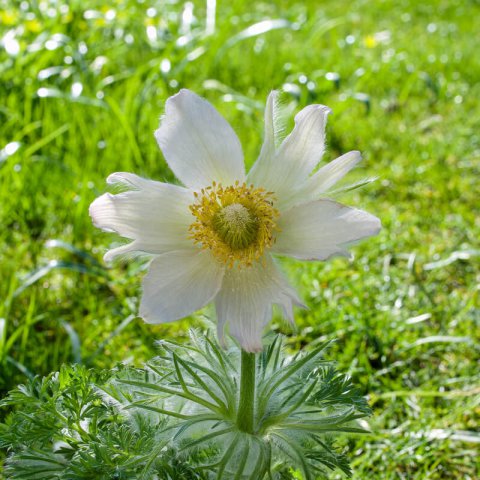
(213, 239)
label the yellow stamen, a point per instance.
(237, 223)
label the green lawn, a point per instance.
(82, 89)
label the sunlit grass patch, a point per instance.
(82, 89)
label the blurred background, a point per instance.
(83, 84)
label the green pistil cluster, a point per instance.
(236, 226)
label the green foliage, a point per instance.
(60, 428)
(176, 418)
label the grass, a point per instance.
(83, 86)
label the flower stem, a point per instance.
(246, 403)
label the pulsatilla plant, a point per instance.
(208, 410)
(178, 418)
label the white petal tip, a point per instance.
(301, 305)
(152, 318)
(357, 154)
(221, 336)
(114, 178)
(97, 207)
(222, 342)
(122, 251)
(273, 96)
(325, 109)
(108, 258)
(148, 318)
(320, 108)
(252, 348)
(374, 227)
(183, 91)
(180, 95)
(123, 178)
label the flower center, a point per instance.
(236, 222)
(236, 226)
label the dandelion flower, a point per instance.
(213, 239)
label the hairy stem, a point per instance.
(246, 403)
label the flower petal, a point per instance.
(332, 172)
(179, 283)
(246, 298)
(303, 148)
(155, 215)
(297, 156)
(321, 181)
(321, 229)
(260, 169)
(198, 143)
